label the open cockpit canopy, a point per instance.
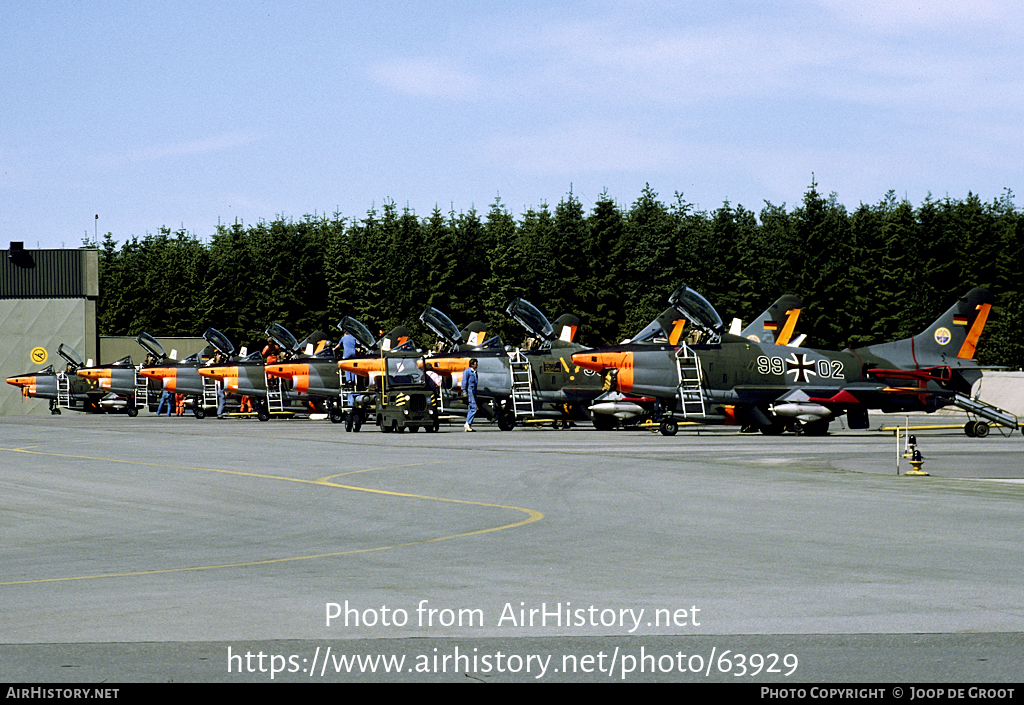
(358, 331)
(219, 341)
(530, 318)
(151, 345)
(442, 326)
(283, 337)
(69, 354)
(699, 312)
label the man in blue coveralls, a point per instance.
(469, 387)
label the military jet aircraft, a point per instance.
(536, 381)
(182, 377)
(729, 379)
(248, 377)
(317, 376)
(122, 377)
(291, 374)
(775, 326)
(64, 389)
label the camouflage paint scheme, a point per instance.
(766, 385)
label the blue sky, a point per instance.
(186, 114)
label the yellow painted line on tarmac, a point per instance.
(532, 515)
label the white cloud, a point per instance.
(216, 143)
(425, 77)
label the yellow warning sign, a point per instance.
(38, 355)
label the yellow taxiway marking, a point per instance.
(531, 516)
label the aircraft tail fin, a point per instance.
(668, 327)
(566, 326)
(475, 333)
(956, 332)
(777, 324)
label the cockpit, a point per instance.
(530, 318)
(152, 346)
(283, 337)
(219, 341)
(74, 360)
(358, 331)
(700, 313)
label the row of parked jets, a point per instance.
(685, 366)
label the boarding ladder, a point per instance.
(275, 394)
(346, 392)
(691, 388)
(141, 391)
(522, 384)
(63, 391)
(986, 411)
(209, 393)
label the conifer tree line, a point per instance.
(881, 272)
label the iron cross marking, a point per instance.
(798, 365)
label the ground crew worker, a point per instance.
(469, 382)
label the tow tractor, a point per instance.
(406, 397)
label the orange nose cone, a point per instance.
(363, 367)
(167, 375)
(94, 374)
(159, 372)
(601, 361)
(449, 364)
(25, 382)
(218, 372)
(287, 370)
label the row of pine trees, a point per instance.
(881, 272)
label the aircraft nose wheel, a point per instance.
(669, 427)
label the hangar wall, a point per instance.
(47, 297)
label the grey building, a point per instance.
(47, 297)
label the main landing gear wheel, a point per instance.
(669, 427)
(506, 421)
